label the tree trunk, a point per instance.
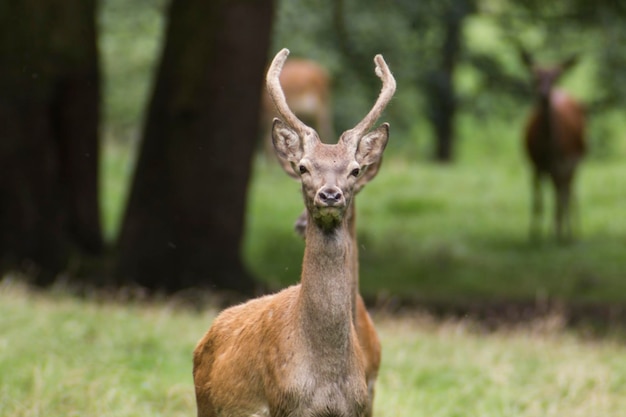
(442, 98)
(442, 102)
(49, 112)
(185, 217)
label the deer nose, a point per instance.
(330, 195)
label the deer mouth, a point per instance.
(332, 211)
(328, 216)
(330, 207)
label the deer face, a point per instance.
(546, 77)
(329, 173)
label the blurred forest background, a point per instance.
(130, 145)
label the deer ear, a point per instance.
(372, 145)
(286, 142)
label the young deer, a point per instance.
(555, 143)
(297, 352)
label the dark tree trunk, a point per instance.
(49, 105)
(185, 217)
(442, 111)
(442, 100)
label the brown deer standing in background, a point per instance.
(297, 352)
(306, 86)
(555, 144)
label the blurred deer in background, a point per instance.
(297, 352)
(306, 85)
(555, 144)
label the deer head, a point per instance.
(546, 77)
(329, 173)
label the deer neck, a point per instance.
(354, 256)
(547, 122)
(327, 295)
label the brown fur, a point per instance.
(555, 144)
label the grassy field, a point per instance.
(62, 357)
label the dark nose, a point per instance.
(330, 195)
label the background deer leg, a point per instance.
(562, 226)
(574, 215)
(565, 197)
(563, 210)
(536, 206)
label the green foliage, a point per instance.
(312, 30)
(490, 81)
(130, 38)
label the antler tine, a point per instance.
(386, 93)
(275, 91)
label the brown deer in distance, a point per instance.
(555, 144)
(306, 85)
(297, 352)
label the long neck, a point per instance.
(354, 257)
(326, 298)
(547, 125)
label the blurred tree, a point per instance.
(185, 217)
(49, 107)
(438, 82)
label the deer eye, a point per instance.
(302, 169)
(355, 172)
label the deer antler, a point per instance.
(275, 91)
(386, 92)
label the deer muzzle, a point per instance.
(330, 197)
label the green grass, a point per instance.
(432, 369)
(61, 356)
(65, 357)
(130, 39)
